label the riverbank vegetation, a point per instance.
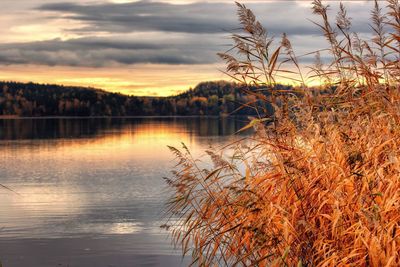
(319, 182)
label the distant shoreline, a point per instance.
(214, 99)
(15, 117)
(9, 117)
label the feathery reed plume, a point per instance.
(330, 34)
(380, 39)
(394, 22)
(287, 45)
(256, 64)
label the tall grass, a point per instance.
(318, 184)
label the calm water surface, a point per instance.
(89, 192)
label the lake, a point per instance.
(89, 192)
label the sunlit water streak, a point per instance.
(90, 191)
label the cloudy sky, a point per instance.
(141, 47)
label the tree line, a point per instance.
(207, 98)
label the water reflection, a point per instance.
(62, 128)
(98, 181)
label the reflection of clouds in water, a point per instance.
(96, 177)
(51, 199)
(37, 211)
(27, 213)
(114, 228)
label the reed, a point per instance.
(318, 184)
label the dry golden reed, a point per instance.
(318, 184)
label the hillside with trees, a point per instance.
(208, 98)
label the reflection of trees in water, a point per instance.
(20, 129)
(51, 128)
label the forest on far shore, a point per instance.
(207, 98)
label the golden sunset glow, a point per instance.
(142, 80)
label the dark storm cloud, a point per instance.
(148, 16)
(100, 52)
(201, 17)
(162, 33)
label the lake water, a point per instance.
(89, 192)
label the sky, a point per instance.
(156, 48)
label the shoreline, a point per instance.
(14, 117)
